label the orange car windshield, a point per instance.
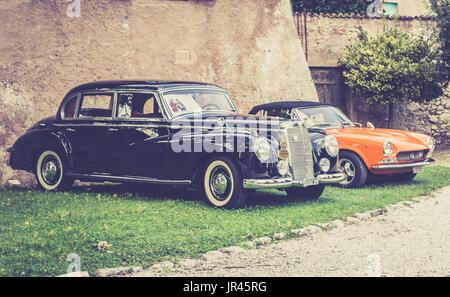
(324, 116)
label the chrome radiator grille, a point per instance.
(300, 153)
(411, 156)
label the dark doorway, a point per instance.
(329, 85)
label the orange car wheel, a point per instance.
(355, 168)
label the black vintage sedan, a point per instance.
(175, 133)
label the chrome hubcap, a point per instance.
(220, 183)
(50, 170)
(349, 168)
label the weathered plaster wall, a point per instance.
(249, 47)
(412, 7)
(329, 35)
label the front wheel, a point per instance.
(222, 184)
(355, 169)
(50, 172)
(308, 193)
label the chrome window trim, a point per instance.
(105, 176)
(77, 108)
(158, 100)
(113, 110)
(63, 107)
(159, 93)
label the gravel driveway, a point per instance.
(410, 240)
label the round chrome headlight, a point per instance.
(331, 145)
(431, 143)
(324, 165)
(283, 167)
(387, 148)
(262, 149)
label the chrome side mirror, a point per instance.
(370, 125)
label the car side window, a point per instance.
(138, 105)
(69, 108)
(281, 113)
(261, 112)
(96, 105)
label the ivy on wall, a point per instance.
(442, 10)
(331, 6)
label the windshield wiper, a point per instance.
(323, 125)
(216, 110)
(338, 124)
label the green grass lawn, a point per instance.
(145, 225)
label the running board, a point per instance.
(139, 179)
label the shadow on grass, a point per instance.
(389, 181)
(256, 199)
(143, 192)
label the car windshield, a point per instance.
(323, 116)
(188, 101)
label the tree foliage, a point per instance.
(442, 10)
(330, 6)
(392, 67)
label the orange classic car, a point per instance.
(364, 151)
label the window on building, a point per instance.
(390, 8)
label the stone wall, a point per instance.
(248, 47)
(432, 118)
(327, 37)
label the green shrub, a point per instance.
(330, 6)
(392, 67)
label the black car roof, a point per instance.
(138, 84)
(287, 105)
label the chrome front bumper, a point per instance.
(287, 182)
(403, 165)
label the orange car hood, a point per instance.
(403, 140)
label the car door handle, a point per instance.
(70, 129)
(113, 129)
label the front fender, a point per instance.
(27, 147)
(237, 146)
(318, 146)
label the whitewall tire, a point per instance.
(50, 172)
(222, 184)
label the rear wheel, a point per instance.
(222, 184)
(355, 169)
(50, 172)
(308, 193)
